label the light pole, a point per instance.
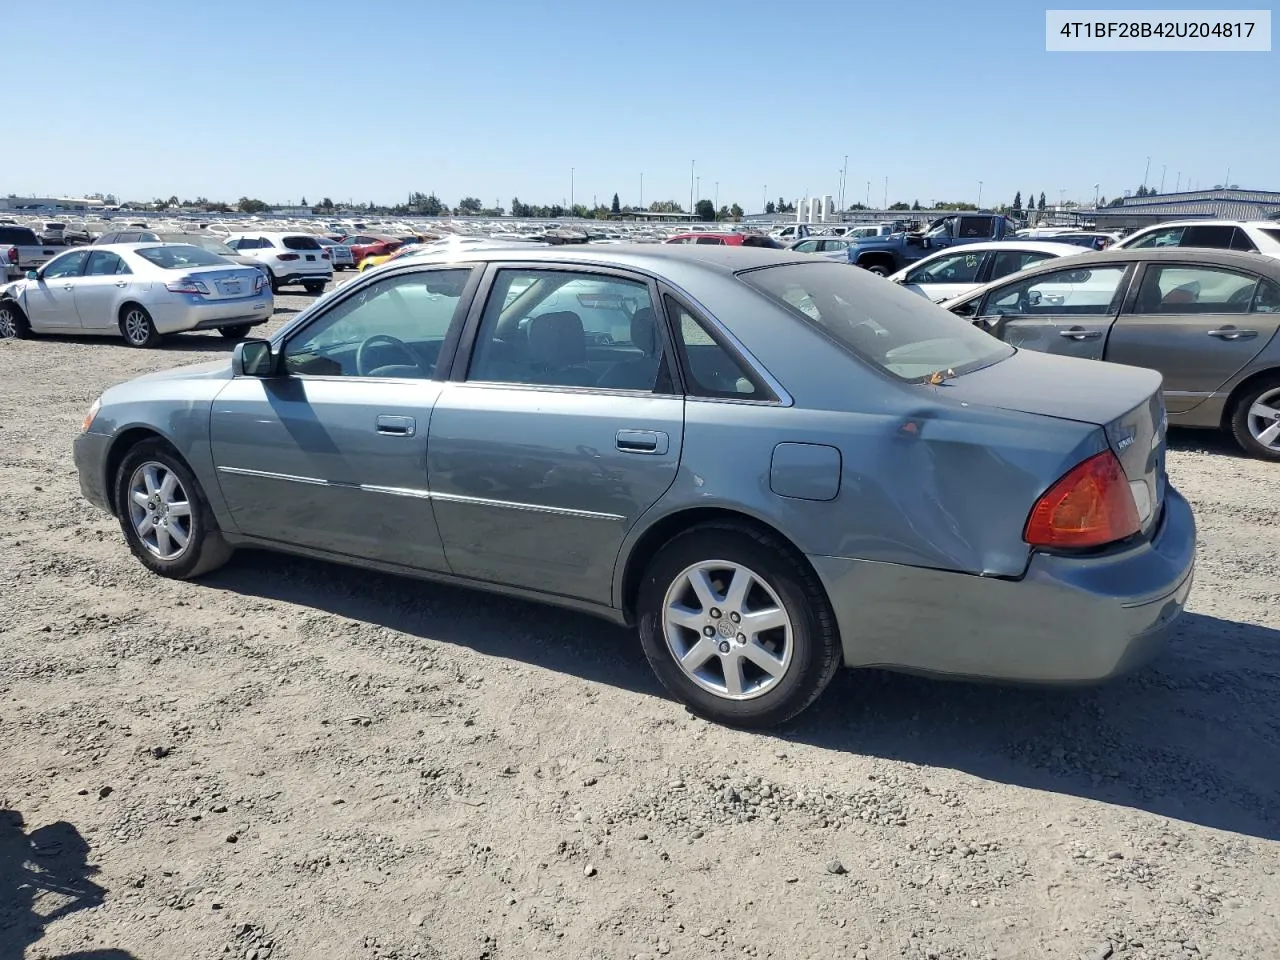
(1177, 187)
(1144, 175)
(844, 178)
(1163, 168)
(717, 199)
(1095, 195)
(692, 166)
(868, 194)
(886, 194)
(571, 189)
(697, 193)
(979, 194)
(764, 196)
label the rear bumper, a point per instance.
(1068, 620)
(192, 313)
(309, 272)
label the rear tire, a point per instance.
(154, 526)
(237, 332)
(137, 327)
(13, 322)
(1247, 425)
(780, 670)
(275, 283)
(314, 287)
(879, 269)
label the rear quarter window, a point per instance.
(301, 243)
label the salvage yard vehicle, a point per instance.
(1246, 236)
(290, 258)
(23, 250)
(885, 255)
(339, 254)
(952, 273)
(141, 291)
(1205, 319)
(771, 464)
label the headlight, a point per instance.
(88, 417)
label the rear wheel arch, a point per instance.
(882, 260)
(1242, 389)
(663, 530)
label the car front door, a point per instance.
(50, 301)
(558, 429)
(106, 281)
(1197, 324)
(330, 453)
(1066, 312)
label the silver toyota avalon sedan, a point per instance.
(770, 464)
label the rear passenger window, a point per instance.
(712, 369)
(1240, 241)
(301, 243)
(1215, 237)
(568, 329)
(710, 240)
(1267, 298)
(263, 243)
(1179, 289)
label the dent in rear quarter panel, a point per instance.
(180, 416)
(942, 486)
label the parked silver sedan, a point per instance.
(140, 291)
(771, 464)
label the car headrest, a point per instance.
(557, 339)
(644, 331)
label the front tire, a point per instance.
(737, 626)
(165, 515)
(1255, 419)
(879, 269)
(314, 287)
(137, 327)
(237, 332)
(13, 322)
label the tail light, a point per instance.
(186, 285)
(325, 255)
(1089, 507)
(288, 256)
(13, 254)
(259, 282)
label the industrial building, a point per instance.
(1217, 204)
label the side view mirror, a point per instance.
(32, 275)
(253, 358)
(967, 309)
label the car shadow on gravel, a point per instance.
(1194, 737)
(44, 876)
(1218, 442)
(548, 637)
(206, 342)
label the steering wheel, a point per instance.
(362, 352)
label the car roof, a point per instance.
(726, 258)
(1037, 246)
(1211, 223)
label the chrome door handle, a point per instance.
(653, 442)
(68, 286)
(390, 426)
(1232, 333)
(122, 283)
(1079, 333)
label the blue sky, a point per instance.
(370, 100)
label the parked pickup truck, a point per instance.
(23, 251)
(886, 255)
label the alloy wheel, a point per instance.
(1264, 419)
(137, 326)
(727, 630)
(8, 322)
(159, 510)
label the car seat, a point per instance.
(642, 372)
(558, 350)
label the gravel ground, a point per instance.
(293, 760)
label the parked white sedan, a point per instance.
(955, 271)
(140, 291)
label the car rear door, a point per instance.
(946, 275)
(541, 457)
(106, 281)
(1067, 311)
(1198, 324)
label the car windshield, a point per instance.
(893, 329)
(179, 256)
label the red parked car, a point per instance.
(728, 238)
(369, 245)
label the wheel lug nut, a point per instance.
(708, 631)
(742, 638)
(724, 646)
(715, 613)
(735, 616)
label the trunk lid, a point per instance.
(227, 283)
(1125, 402)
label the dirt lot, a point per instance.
(297, 760)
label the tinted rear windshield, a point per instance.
(301, 243)
(1272, 232)
(897, 331)
(19, 236)
(180, 256)
(769, 242)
